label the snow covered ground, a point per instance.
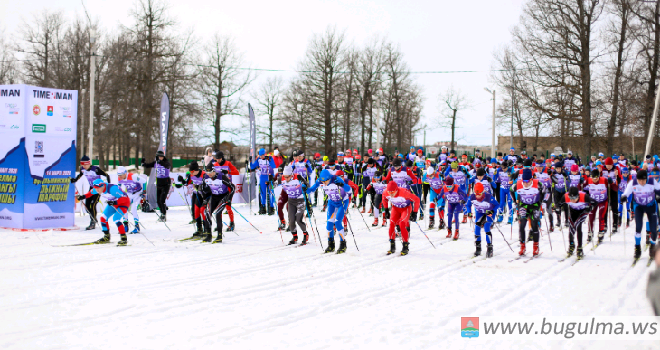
(251, 292)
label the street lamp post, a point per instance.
(92, 88)
(492, 149)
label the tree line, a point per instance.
(332, 103)
(581, 70)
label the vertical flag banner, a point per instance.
(37, 156)
(253, 151)
(164, 123)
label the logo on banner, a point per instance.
(49, 111)
(41, 128)
(36, 110)
(62, 129)
(469, 327)
(163, 120)
(239, 188)
(38, 148)
(15, 127)
(66, 112)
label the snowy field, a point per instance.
(251, 292)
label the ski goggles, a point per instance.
(574, 197)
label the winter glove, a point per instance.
(413, 216)
(482, 220)
(462, 202)
(624, 198)
(73, 179)
(657, 197)
(81, 197)
(113, 203)
(522, 212)
(310, 211)
(206, 202)
(488, 213)
(180, 178)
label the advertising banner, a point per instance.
(38, 146)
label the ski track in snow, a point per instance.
(251, 291)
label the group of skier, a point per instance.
(531, 190)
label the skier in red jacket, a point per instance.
(403, 203)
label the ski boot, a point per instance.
(464, 219)
(510, 222)
(448, 232)
(536, 251)
(231, 227)
(456, 235)
(652, 251)
(331, 246)
(601, 235)
(162, 218)
(105, 239)
(571, 249)
(123, 241)
(92, 225)
(125, 226)
(370, 211)
(590, 236)
(579, 253)
(441, 224)
(648, 239)
(489, 250)
(431, 222)
(216, 229)
(405, 249)
(362, 211)
(294, 240)
(566, 223)
(551, 228)
(342, 247)
(192, 222)
(522, 248)
(219, 238)
(305, 238)
(392, 247)
(615, 229)
(282, 225)
(477, 252)
(271, 210)
(384, 222)
(375, 223)
(208, 236)
(638, 251)
(136, 229)
(500, 218)
(198, 234)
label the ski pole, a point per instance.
(561, 228)
(239, 213)
(160, 218)
(546, 227)
(427, 237)
(504, 238)
(308, 206)
(185, 199)
(363, 220)
(350, 227)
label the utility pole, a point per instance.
(492, 150)
(92, 88)
(512, 103)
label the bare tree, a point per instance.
(269, 99)
(221, 82)
(451, 102)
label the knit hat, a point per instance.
(392, 186)
(609, 161)
(449, 181)
(454, 165)
(85, 160)
(121, 170)
(193, 166)
(429, 171)
(527, 175)
(642, 175)
(575, 167)
(288, 171)
(478, 188)
(481, 172)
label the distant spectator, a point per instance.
(278, 157)
(208, 156)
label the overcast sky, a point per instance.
(433, 35)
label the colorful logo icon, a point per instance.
(49, 111)
(36, 110)
(40, 128)
(469, 327)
